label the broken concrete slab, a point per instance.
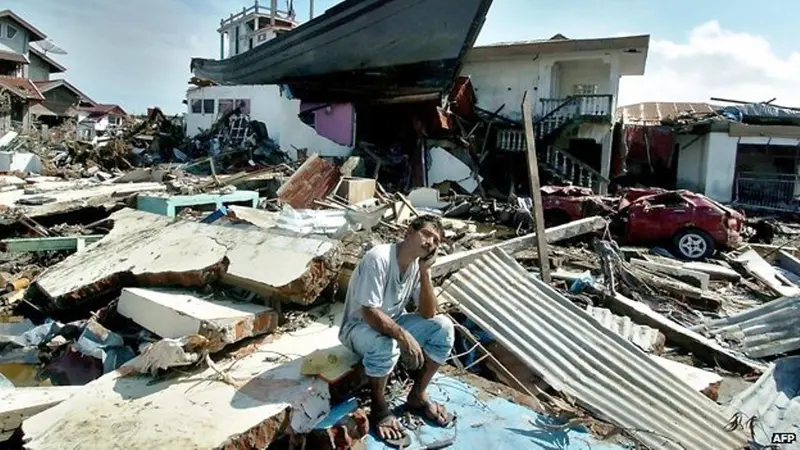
(11, 180)
(47, 244)
(450, 263)
(715, 271)
(761, 269)
(263, 396)
(696, 279)
(177, 313)
(145, 249)
(19, 404)
(71, 200)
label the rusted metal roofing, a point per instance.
(21, 87)
(33, 32)
(766, 330)
(652, 113)
(774, 400)
(579, 357)
(313, 180)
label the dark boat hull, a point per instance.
(362, 48)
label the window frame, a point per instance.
(8, 28)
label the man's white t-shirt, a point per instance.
(377, 282)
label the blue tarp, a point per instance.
(488, 422)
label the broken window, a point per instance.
(208, 106)
(197, 106)
(225, 105)
(584, 89)
(10, 32)
(669, 200)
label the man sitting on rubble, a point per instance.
(378, 329)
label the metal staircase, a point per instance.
(557, 115)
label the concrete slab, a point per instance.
(173, 314)
(64, 201)
(18, 404)
(147, 249)
(197, 411)
(170, 205)
(700, 380)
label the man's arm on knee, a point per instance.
(382, 323)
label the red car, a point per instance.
(693, 223)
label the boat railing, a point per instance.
(255, 9)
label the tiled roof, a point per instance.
(102, 109)
(21, 87)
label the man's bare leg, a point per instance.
(386, 428)
(418, 397)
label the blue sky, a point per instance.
(137, 53)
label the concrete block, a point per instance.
(176, 313)
(170, 206)
(17, 404)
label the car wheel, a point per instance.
(693, 244)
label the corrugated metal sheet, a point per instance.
(766, 330)
(652, 113)
(644, 337)
(576, 355)
(775, 401)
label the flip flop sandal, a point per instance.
(424, 410)
(382, 419)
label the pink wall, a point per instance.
(337, 124)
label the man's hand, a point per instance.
(428, 261)
(411, 352)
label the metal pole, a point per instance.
(310, 9)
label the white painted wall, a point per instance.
(501, 81)
(691, 168)
(590, 71)
(279, 113)
(708, 165)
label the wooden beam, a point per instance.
(448, 264)
(705, 349)
(47, 244)
(536, 193)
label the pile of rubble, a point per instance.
(201, 282)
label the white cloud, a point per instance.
(715, 62)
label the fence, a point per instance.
(768, 191)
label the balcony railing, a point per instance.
(772, 192)
(575, 171)
(577, 106)
(256, 9)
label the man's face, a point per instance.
(424, 241)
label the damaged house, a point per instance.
(744, 153)
(573, 86)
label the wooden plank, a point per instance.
(536, 193)
(696, 279)
(450, 263)
(706, 349)
(47, 244)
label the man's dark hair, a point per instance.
(421, 221)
